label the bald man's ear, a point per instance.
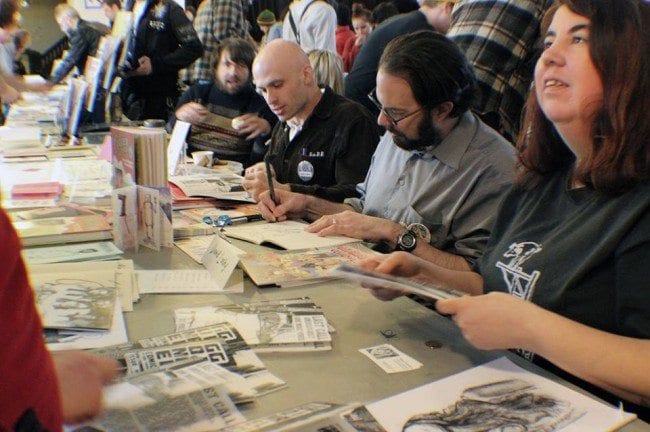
(307, 75)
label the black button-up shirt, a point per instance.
(332, 151)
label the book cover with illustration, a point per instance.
(65, 229)
(289, 268)
(78, 300)
(142, 216)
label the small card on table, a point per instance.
(390, 359)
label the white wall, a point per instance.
(89, 10)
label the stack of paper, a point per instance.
(66, 223)
(96, 251)
(244, 374)
(295, 324)
(191, 398)
(79, 307)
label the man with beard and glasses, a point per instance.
(323, 144)
(437, 175)
(230, 102)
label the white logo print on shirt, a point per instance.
(520, 284)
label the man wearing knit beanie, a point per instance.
(268, 25)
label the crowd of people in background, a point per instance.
(498, 148)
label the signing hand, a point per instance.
(82, 377)
(356, 225)
(493, 321)
(290, 205)
(255, 181)
(251, 125)
(191, 112)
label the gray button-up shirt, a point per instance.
(454, 188)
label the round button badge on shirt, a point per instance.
(305, 171)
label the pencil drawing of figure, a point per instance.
(502, 406)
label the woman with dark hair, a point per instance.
(362, 28)
(564, 277)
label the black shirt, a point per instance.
(166, 36)
(331, 153)
(577, 253)
(231, 106)
(83, 41)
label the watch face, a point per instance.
(421, 231)
(407, 241)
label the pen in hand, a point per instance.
(269, 179)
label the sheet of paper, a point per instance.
(176, 147)
(195, 246)
(496, 396)
(184, 281)
(390, 359)
(220, 259)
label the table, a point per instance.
(342, 375)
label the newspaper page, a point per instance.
(294, 325)
(220, 344)
(264, 329)
(171, 400)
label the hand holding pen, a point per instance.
(258, 178)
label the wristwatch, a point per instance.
(421, 231)
(408, 240)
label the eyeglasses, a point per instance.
(393, 120)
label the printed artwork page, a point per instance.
(290, 235)
(498, 395)
(293, 267)
(226, 186)
(61, 340)
(82, 300)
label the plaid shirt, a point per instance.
(215, 20)
(499, 37)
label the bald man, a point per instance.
(323, 143)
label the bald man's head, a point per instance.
(279, 55)
(283, 75)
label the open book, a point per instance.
(290, 235)
(393, 282)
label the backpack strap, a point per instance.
(294, 27)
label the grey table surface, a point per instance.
(343, 374)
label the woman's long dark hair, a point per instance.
(619, 44)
